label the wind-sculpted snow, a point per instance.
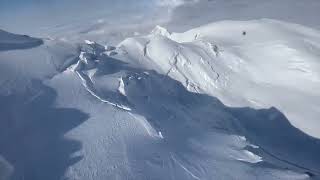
(158, 106)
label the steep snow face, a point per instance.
(259, 63)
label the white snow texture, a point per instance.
(226, 100)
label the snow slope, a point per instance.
(274, 64)
(191, 105)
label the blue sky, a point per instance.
(6, 5)
(27, 15)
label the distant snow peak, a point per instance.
(158, 30)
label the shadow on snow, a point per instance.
(32, 131)
(176, 112)
(32, 134)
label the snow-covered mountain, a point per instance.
(259, 63)
(228, 100)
